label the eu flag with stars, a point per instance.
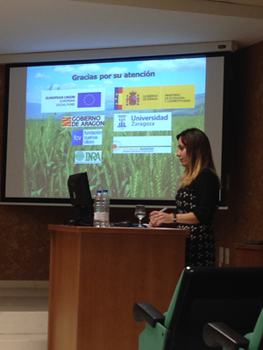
(89, 99)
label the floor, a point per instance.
(23, 315)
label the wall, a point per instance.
(24, 237)
(242, 221)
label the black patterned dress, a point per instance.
(201, 198)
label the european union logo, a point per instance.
(89, 99)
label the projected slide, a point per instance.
(116, 120)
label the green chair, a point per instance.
(202, 295)
(219, 334)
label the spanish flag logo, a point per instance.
(66, 121)
(118, 98)
(155, 97)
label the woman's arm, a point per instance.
(206, 190)
(187, 218)
(158, 218)
(207, 193)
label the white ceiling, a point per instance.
(28, 26)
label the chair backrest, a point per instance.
(209, 294)
(256, 338)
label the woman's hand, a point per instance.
(157, 218)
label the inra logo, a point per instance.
(77, 137)
(88, 157)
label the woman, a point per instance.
(197, 198)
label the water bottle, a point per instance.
(98, 209)
(106, 209)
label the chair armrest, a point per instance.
(146, 312)
(219, 334)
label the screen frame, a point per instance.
(122, 202)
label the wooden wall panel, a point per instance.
(243, 219)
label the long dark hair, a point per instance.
(199, 151)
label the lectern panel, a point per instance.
(98, 274)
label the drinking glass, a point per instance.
(140, 213)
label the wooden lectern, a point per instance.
(97, 274)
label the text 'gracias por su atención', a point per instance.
(145, 74)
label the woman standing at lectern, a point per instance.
(197, 198)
